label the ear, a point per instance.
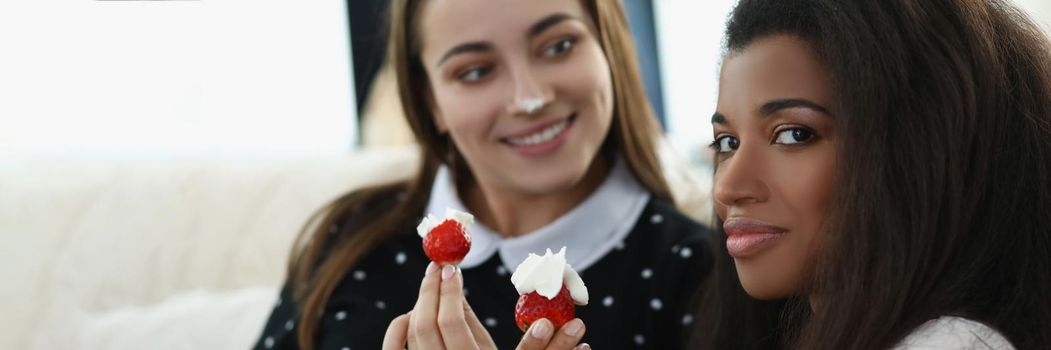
(436, 113)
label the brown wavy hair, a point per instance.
(320, 260)
(943, 205)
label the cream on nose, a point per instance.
(530, 105)
(529, 98)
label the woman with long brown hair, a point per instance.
(531, 115)
(883, 177)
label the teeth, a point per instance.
(540, 137)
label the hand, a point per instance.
(442, 319)
(539, 336)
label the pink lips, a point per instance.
(746, 237)
(547, 147)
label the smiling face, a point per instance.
(776, 151)
(521, 86)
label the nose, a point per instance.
(530, 92)
(739, 179)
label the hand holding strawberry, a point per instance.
(442, 319)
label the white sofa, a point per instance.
(184, 254)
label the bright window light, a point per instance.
(82, 78)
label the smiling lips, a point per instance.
(539, 137)
(746, 237)
(542, 141)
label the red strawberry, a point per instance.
(533, 306)
(447, 243)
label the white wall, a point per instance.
(1040, 10)
(153, 79)
(690, 34)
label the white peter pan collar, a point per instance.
(588, 231)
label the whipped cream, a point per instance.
(430, 222)
(545, 276)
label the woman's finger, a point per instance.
(452, 320)
(481, 335)
(424, 320)
(568, 337)
(584, 346)
(412, 343)
(397, 333)
(537, 336)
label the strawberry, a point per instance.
(447, 243)
(548, 287)
(533, 306)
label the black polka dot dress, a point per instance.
(640, 281)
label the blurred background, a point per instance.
(157, 158)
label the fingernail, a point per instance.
(585, 346)
(448, 272)
(540, 330)
(573, 328)
(431, 268)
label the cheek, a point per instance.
(806, 194)
(586, 80)
(807, 190)
(467, 114)
(801, 184)
(717, 179)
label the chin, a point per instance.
(762, 287)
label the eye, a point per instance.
(474, 74)
(560, 47)
(793, 136)
(725, 144)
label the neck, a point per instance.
(513, 214)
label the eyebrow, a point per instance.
(464, 48)
(775, 106)
(548, 22)
(534, 30)
(771, 107)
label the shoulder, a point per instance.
(666, 239)
(669, 227)
(361, 207)
(950, 332)
(358, 211)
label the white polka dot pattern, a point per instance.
(656, 304)
(368, 283)
(656, 218)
